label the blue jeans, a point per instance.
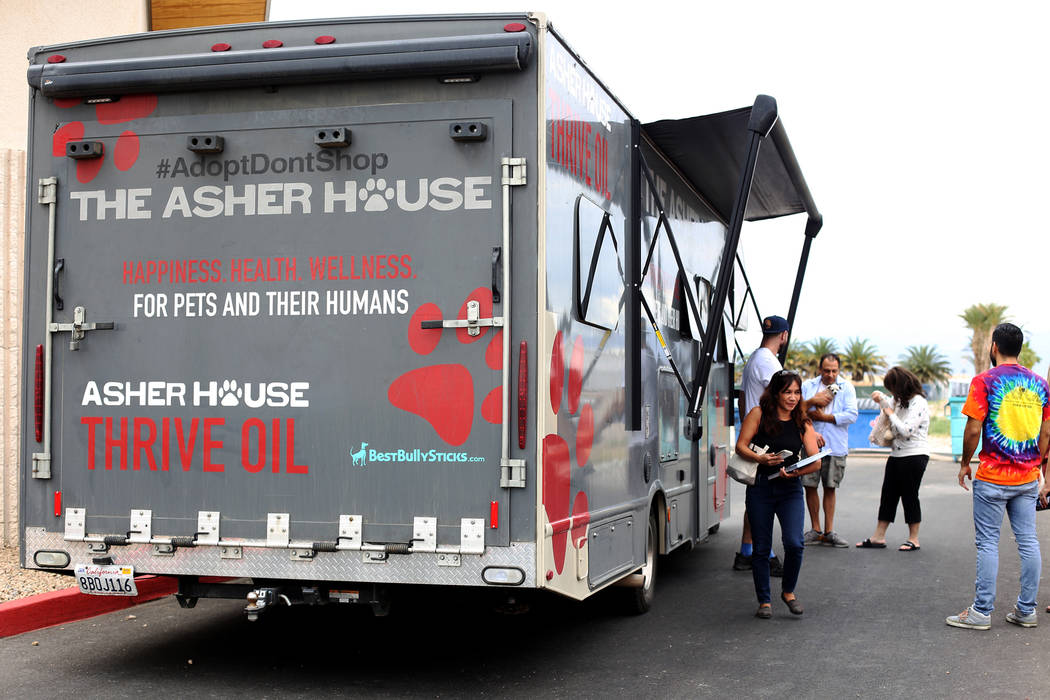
(782, 498)
(989, 502)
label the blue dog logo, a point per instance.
(359, 456)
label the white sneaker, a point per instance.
(970, 619)
(812, 537)
(1015, 617)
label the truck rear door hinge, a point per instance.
(513, 171)
(45, 190)
(512, 474)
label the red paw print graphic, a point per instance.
(557, 463)
(126, 150)
(443, 395)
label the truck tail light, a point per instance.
(38, 394)
(523, 392)
(58, 504)
(494, 515)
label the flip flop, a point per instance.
(868, 544)
(908, 546)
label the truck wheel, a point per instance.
(640, 599)
(713, 529)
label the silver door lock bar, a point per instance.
(79, 327)
(472, 323)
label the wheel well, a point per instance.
(659, 507)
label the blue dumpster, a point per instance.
(958, 424)
(861, 429)
(858, 431)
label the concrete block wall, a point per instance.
(12, 236)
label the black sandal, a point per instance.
(868, 544)
(793, 605)
(909, 546)
(765, 611)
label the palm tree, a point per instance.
(822, 346)
(861, 358)
(982, 319)
(927, 363)
(738, 367)
(1028, 356)
(799, 357)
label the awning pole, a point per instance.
(633, 310)
(763, 117)
(799, 276)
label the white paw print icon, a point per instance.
(374, 192)
(230, 393)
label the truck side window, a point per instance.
(668, 400)
(598, 278)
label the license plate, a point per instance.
(344, 596)
(110, 579)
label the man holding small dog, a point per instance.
(832, 405)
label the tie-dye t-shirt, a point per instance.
(1012, 402)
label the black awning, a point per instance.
(711, 151)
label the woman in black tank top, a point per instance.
(778, 424)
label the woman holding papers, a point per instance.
(774, 435)
(909, 416)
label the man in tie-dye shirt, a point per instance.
(1008, 408)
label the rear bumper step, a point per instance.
(253, 559)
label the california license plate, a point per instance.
(109, 579)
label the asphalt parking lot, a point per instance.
(873, 628)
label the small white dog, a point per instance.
(883, 401)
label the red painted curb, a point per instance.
(58, 607)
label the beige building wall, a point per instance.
(23, 25)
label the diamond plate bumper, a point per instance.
(263, 562)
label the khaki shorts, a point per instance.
(832, 469)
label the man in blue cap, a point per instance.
(761, 365)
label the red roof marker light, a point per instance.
(221, 47)
(514, 27)
(272, 44)
(325, 39)
(56, 58)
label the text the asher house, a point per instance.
(283, 198)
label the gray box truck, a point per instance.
(317, 308)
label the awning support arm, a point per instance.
(662, 222)
(633, 311)
(763, 119)
(748, 292)
(796, 292)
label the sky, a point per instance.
(917, 126)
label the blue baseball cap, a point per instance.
(774, 324)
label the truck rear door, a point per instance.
(270, 274)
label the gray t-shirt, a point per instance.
(762, 365)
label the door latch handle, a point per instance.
(472, 322)
(497, 253)
(79, 327)
(60, 264)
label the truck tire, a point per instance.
(640, 599)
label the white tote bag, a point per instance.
(742, 469)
